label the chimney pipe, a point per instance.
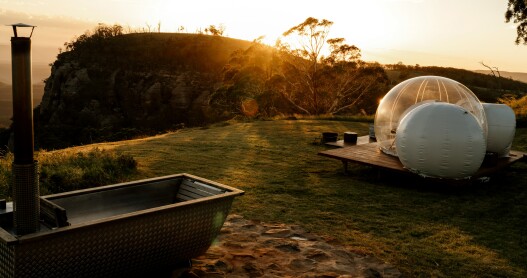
(26, 205)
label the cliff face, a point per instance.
(115, 94)
(82, 104)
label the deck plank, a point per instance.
(370, 154)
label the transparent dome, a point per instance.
(414, 92)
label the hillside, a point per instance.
(518, 76)
(155, 51)
(133, 84)
(424, 230)
(486, 87)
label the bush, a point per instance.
(67, 171)
(519, 105)
(5, 175)
(5, 133)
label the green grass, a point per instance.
(425, 230)
(70, 169)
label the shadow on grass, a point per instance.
(451, 228)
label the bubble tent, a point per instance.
(440, 140)
(437, 128)
(409, 94)
(501, 122)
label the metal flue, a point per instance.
(26, 209)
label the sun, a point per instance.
(248, 21)
(252, 20)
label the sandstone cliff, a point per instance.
(96, 101)
(120, 91)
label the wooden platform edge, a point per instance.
(369, 154)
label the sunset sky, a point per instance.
(450, 33)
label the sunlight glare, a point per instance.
(388, 31)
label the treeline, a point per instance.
(108, 46)
(280, 79)
(260, 81)
(273, 80)
(301, 78)
(487, 87)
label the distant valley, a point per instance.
(40, 72)
(519, 76)
(6, 105)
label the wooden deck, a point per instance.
(369, 154)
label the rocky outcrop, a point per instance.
(85, 104)
(248, 248)
(109, 86)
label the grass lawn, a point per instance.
(423, 229)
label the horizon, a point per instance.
(425, 32)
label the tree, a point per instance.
(148, 26)
(245, 82)
(311, 35)
(100, 33)
(215, 31)
(517, 12)
(493, 70)
(345, 78)
(315, 84)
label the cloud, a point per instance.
(53, 30)
(10, 17)
(49, 35)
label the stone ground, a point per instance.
(254, 249)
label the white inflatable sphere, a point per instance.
(441, 140)
(501, 123)
(409, 94)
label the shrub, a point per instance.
(519, 105)
(5, 175)
(66, 171)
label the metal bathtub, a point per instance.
(120, 230)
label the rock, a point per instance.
(372, 273)
(252, 269)
(243, 255)
(234, 245)
(223, 266)
(226, 230)
(266, 252)
(317, 255)
(278, 232)
(289, 247)
(125, 99)
(323, 275)
(252, 249)
(249, 227)
(273, 266)
(235, 218)
(302, 264)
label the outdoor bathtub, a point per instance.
(119, 230)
